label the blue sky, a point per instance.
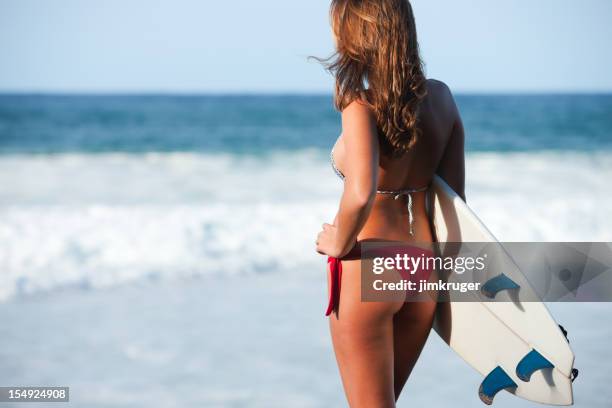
(262, 46)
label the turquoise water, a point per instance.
(256, 124)
(232, 180)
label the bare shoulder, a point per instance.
(440, 95)
(438, 89)
(358, 110)
(358, 124)
(358, 117)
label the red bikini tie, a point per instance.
(335, 268)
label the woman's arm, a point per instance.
(360, 169)
(452, 164)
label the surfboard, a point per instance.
(515, 344)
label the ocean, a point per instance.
(158, 250)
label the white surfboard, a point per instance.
(488, 335)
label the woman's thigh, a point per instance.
(411, 327)
(362, 335)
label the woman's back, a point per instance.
(439, 149)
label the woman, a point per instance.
(398, 130)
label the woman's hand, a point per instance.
(327, 241)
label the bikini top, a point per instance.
(397, 194)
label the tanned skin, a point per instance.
(378, 343)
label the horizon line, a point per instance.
(247, 92)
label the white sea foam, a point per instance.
(102, 220)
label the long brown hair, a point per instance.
(377, 61)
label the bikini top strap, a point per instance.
(403, 192)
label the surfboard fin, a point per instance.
(494, 285)
(493, 383)
(532, 362)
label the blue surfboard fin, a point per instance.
(532, 362)
(494, 285)
(493, 383)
